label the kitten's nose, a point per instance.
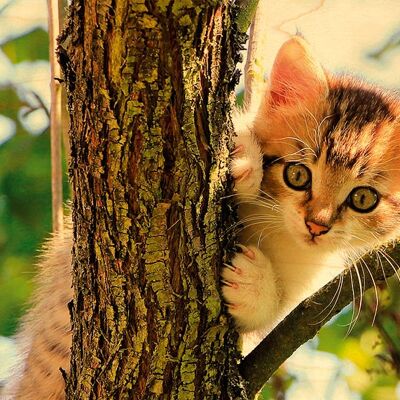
(316, 229)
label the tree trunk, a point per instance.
(149, 85)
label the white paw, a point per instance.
(249, 289)
(246, 165)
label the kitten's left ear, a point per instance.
(296, 76)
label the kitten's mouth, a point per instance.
(312, 240)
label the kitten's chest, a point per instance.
(300, 273)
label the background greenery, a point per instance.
(25, 192)
(363, 363)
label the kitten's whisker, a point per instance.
(290, 155)
(275, 229)
(351, 327)
(255, 198)
(387, 161)
(256, 220)
(269, 224)
(270, 206)
(376, 293)
(363, 263)
(381, 265)
(306, 145)
(334, 300)
(353, 302)
(257, 223)
(390, 261)
(317, 133)
(250, 196)
(258, 201)
(354, 316)
(268, 195)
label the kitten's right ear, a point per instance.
(296, 76)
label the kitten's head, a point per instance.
(331, 153)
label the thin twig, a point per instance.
(55, 120)
(392, 43)
(298, 16)
(41, 104)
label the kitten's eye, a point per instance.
(297, 176)
(363, 199)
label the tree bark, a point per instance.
(149, 86)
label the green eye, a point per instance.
(363, 199)
(297, 176)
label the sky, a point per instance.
(342, 33)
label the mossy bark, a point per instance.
(149, 86)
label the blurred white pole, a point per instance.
(256, 58)
(55, 118)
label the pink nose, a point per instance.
(316, 229)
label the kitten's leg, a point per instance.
(246, 164)
(249, 285)
(250, 290)
(249, 282)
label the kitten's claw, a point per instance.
(230, 284)
(246, 251)
(230, 306)
(233, 268)
(244, 175)
(238, 149)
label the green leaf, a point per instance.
(29, 47)
(9, 103)
(240, 98)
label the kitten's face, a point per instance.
(332, 161)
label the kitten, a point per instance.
(317, 176)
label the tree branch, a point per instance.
(307, 318)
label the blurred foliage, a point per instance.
(31, 46)
(25, 192)
(240, 98)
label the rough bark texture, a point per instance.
(149, 85)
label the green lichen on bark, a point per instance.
(149, 86)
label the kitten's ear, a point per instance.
(296, 76)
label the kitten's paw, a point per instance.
(249, 289)
(246, 165)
